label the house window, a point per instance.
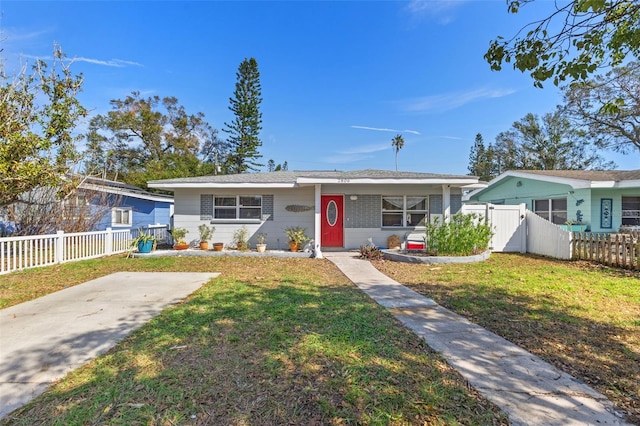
(631, 211)
(237, 207)
(76, 207)
(553, 209)
(404, 211)
(121, 216)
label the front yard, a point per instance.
(580, 317)
(270, 341)
(276, 341)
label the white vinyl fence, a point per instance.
(507, 223)
(546, 238)
(43, 250)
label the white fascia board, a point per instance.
(628, 184)
(573, 183)
(388, 181)
(126, 193)
(173, 186)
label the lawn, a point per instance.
(270, 341)
(580, 317)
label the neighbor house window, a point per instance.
(76, 207)
(553, 209)
(121, 216)
(631, 211)
(237, 207)
(404, 211)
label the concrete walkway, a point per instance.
(529, 390)
(44, 339)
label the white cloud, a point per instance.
(449, 101)
(440, 10)
(379, 129)
(119, 63)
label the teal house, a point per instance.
(591, 200)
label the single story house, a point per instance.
(122, 205)
(601, 200)
(338, 209)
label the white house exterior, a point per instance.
(340, 210)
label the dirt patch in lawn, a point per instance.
(581, 317)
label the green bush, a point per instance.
(463, 235)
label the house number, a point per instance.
(343, 180)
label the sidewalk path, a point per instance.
(44, 339)
(528, 389)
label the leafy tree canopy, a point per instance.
(587, 104)
(573, 42)
(38, 113)
(147, 139)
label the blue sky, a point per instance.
(339, 79)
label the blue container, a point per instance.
(145, 246)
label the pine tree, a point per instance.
(244, 130)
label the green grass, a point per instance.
(581, 317)
(270, 341)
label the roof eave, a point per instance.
(232, 185)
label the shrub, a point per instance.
(370, 252)
(463, 235)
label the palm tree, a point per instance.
(397, 142)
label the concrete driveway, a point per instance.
(44, 339)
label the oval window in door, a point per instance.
(332, 213)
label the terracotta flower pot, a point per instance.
(181, 246)
(204, 245)
(293, 246)
(218, 246)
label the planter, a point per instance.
(293, 246)
(204, 245)
(145, 246)
(218, 246)
(261, 248)
(241, 246)
(181, 246)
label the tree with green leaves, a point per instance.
(244, 130)
(39, 111)
(547, 143)
(575, 40)
(586, 103)
(144, 139)
(481, 160)
(397, 143)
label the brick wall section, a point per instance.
(267, 207)
(435, 204)
(456, 203)
(206, 206)
(365, 212)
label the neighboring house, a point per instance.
(605, 201)
(338, 209)
(125, 206)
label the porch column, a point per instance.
(317, 232)
(446, 203)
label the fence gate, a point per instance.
(508, 223)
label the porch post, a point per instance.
(316, 228)
(446, 203)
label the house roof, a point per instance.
(289, 179)
(576, 179)
(120, 188)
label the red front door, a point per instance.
(332, 225)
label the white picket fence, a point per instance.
(18, 253)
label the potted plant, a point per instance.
(262, 243)
(144, 242)
(574, 226)
(296, 237)
(206, 232)
(218, 246)
(178, 235)
(240, 236)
